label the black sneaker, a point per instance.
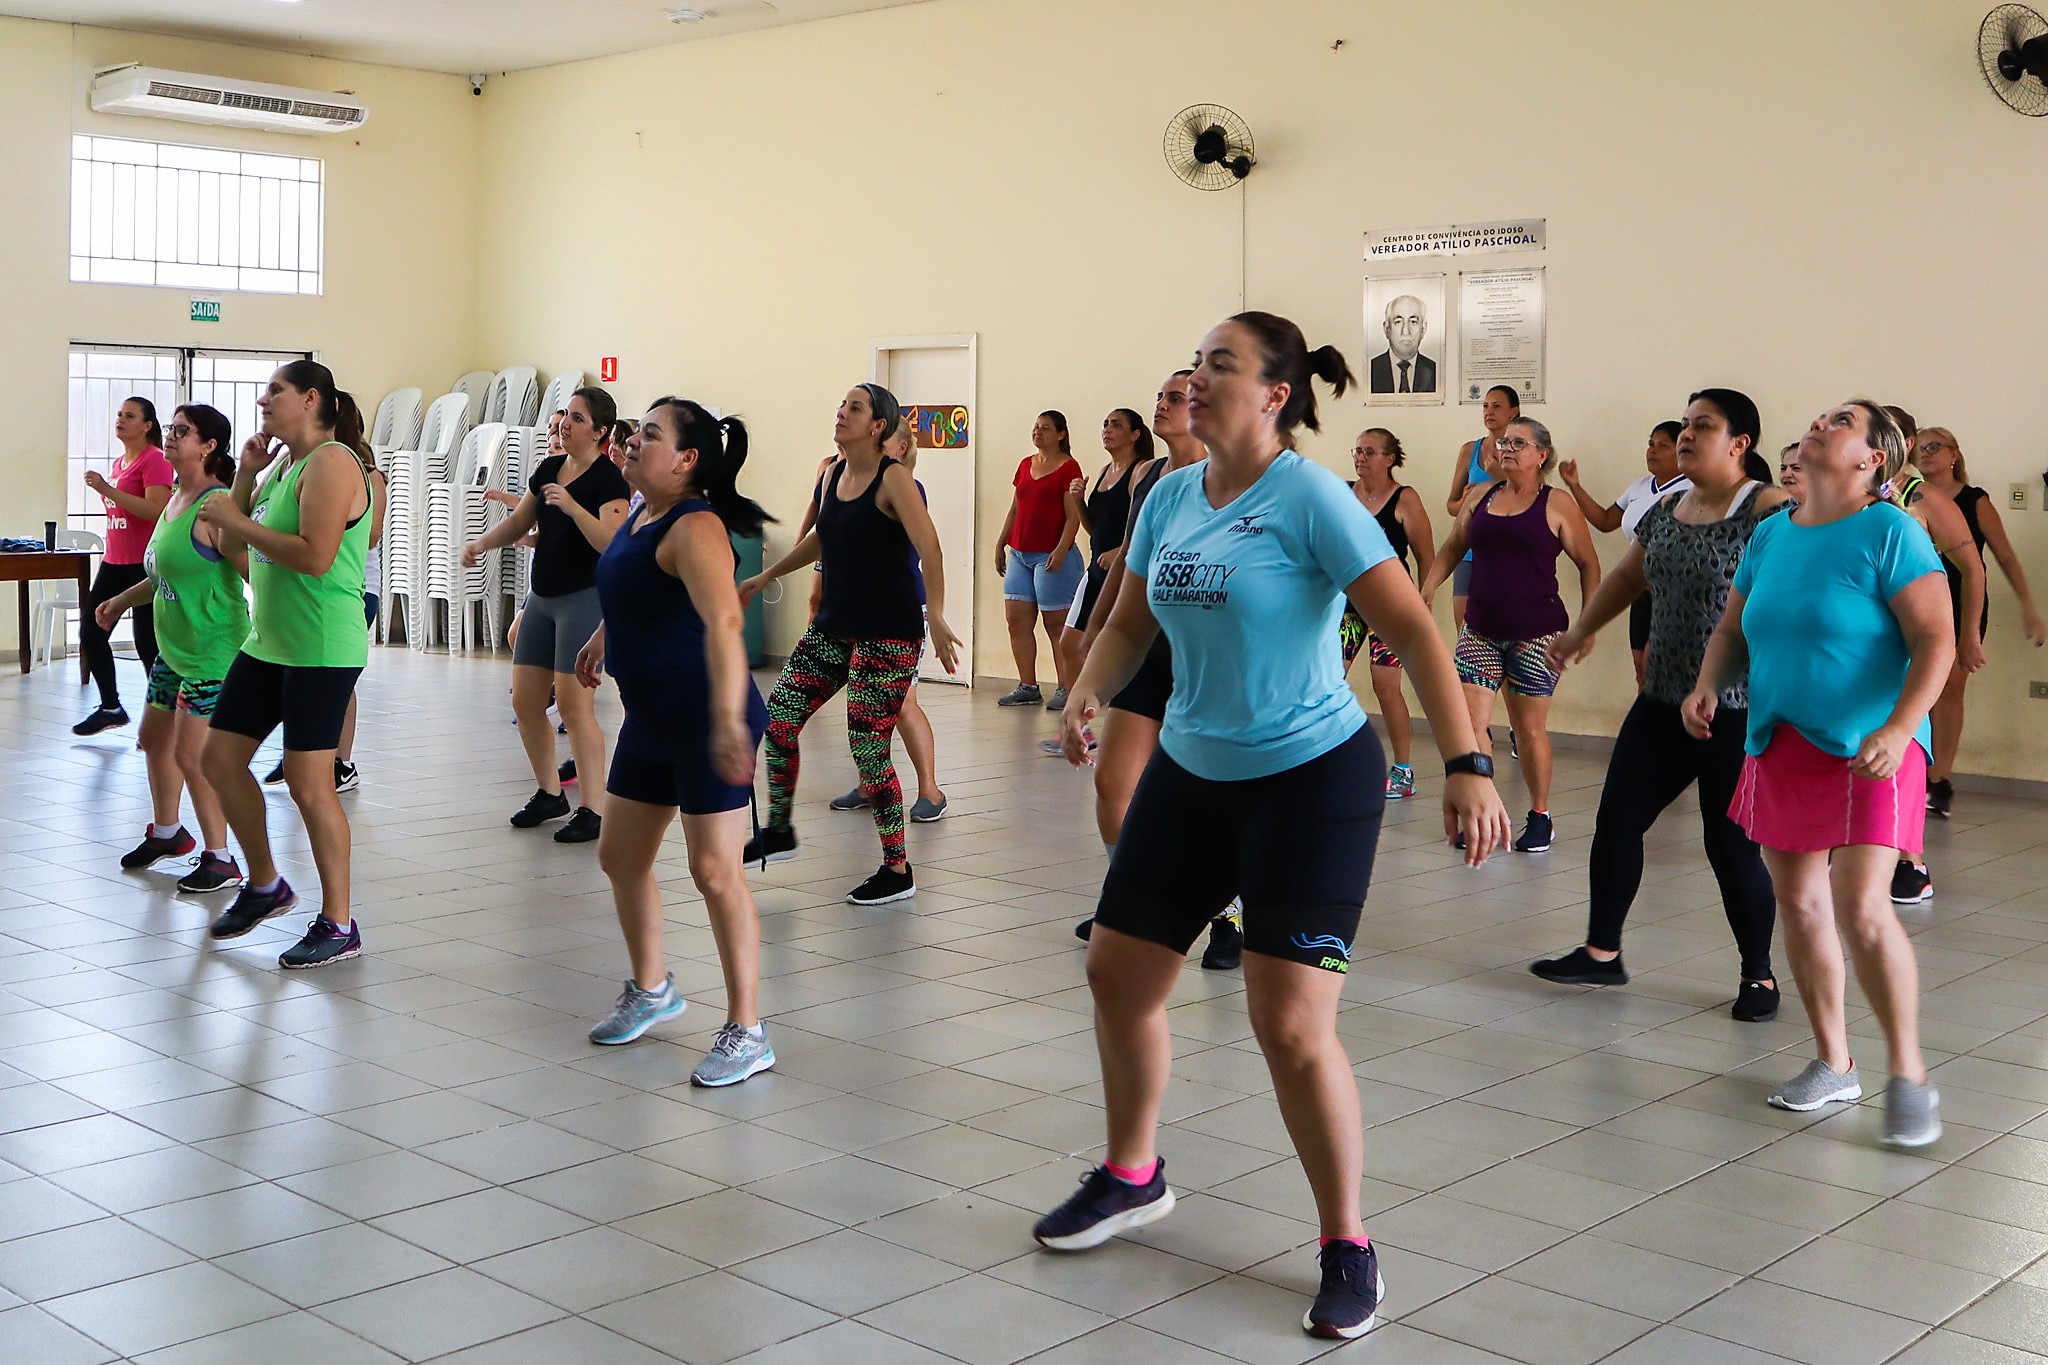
(1225, 952)
(1911, 885)
(540, 808)
(1755, 1003)
(1085, 928)
(1103, 1207)
(1514, 745)
(210, 874)
(1940, 796)
(583, 827)
(567, 772)
(275, 776)
(346, 778)
(251, 908)
(153, 849)
(325, 943)
(1349, 1300)
(885, 886)
(106, 718)
(770, 845)
(1580, 968)
(1536, 834)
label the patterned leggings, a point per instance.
(876, 675)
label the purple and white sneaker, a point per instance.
(251, 908)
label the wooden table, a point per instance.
(47, 566)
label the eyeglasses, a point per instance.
(1512, 443)
(178, 431)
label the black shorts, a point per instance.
(1149, 689)
(688, 784)
(311, 703)
(1639, 622)
(1296, 846)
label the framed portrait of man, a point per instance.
(1405, 336)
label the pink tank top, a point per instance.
(127, 534)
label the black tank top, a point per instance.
(1389, 518)
(1109, 511)
(871, 582)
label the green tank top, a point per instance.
(301, 621)
(202, 615)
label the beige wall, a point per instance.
(1804, 201)
(400, 301)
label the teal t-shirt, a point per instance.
(1249, 596)
(1826, 655)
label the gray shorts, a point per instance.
(553, 630)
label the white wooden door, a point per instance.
(935, 374)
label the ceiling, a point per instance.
(458, 36)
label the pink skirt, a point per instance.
(1797, 798)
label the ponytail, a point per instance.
(1141, 449)
(348, 429)
(721, 446)
(156, 428)
(1286, 359)
(337, 412)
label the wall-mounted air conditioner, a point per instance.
(135, 89)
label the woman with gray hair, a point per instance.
(874, 534)
(1516, 531)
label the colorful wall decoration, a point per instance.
(940, 427)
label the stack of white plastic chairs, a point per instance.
(412, 472)
(477, 386)
(457, 513)
(525, 447)
(556, 399)
(397, 425)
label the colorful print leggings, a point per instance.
(876, 675)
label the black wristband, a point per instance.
(1477, 764)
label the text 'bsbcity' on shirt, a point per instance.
(1250, 595)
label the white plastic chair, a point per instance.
(397, 425)
(56, 599)
(557, 397)
(447, 421)
(515, 396)
(476, 386)
(457, 513)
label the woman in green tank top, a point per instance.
(201, 618)
(308, 534)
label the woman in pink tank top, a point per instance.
(135, 498)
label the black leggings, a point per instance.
(1655, 760)
(111, 581)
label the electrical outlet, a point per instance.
(2016, 497)
(2038, 690)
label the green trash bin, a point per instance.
(749, 550)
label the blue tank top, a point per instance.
(874, 589)
(654, 645)
(1475, 474)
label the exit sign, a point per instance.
(205, 310)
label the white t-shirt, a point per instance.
(1641, 495)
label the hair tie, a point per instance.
(1884, 490)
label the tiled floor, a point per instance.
(418, 1156)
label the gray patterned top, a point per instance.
(1690, 569)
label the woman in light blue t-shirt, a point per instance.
(1267, 783)
(1840, 615)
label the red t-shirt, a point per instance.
(1041, 506)
(128, 536)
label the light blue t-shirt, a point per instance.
(1826, 655)
(1250, 595)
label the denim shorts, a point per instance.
(1027, 579)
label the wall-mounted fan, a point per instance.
(1209, 147)
(2012, 45)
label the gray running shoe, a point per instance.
(1059, 700)
(1912, 1113)
(853, 800)
(925, 810)
(1817, 1085)
(1023, 694)
(639, 1011)
(736, 1054)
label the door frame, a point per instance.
(879, 348)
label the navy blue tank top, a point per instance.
(654, 645)
(873, 588)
